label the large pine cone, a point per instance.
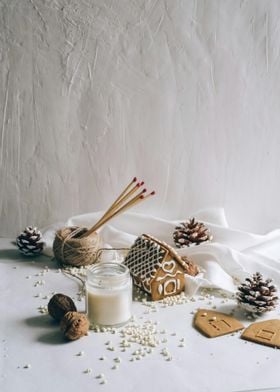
(191, 232)
(29, 241)
(257, 295)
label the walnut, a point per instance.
(60, 304)
(74, 325)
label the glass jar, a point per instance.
(109, 294)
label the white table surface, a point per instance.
(27, 337)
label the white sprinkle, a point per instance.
(115, 367)
(102, 358)
(80, 354)
(117, 359)
(101, 375)
(103, 382)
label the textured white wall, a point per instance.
(185, 94)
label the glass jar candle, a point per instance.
(109, 294)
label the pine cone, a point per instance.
(257, 295)
(29, 241)
(191, 232)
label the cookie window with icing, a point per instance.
(157, 268)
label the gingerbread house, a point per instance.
(157, 268)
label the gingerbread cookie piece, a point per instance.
(213, 324)
(264, 332)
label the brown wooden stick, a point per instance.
(115, 204)
(113, 213)
(124, 191)
(128, 205)
(130, 193)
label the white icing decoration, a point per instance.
(178, 284)
(165, 285)
(166, 266)
(168, 276)
(160, 288)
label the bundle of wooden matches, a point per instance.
(125, 201)
(78, 246)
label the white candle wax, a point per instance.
(109, 307)
(109, 294)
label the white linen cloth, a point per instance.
(229, 258)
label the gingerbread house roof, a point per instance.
(147, 254)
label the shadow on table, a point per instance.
(52, 337)
(9, 255)
(12, 254)
(41, 321)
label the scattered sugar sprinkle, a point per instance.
(43, 309)
(88, 370)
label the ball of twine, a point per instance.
(69, 248)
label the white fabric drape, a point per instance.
(231, 256)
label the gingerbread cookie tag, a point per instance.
(264, 332)
(213, 324)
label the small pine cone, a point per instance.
(29, 241)
(257, 295)
(191, 232)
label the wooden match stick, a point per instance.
(130, 193)
(116, 204)
(131, 203)
(115, 212)
(124, 191)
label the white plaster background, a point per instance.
(185, 94)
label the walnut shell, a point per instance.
(59, 305)
(74, 325)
